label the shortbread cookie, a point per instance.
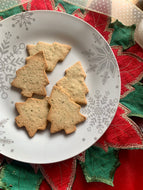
(32, 78)
(64, 113)
(33, 115)
(73, 83)
(54, 52)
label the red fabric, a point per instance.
(130, 69)
(99, 22)
(121, 132)
(41, 5)
(128, 176)
(60, 175)
(44, 186)
(135, 51)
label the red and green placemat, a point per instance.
(100, 163)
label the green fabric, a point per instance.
(133, 101)
(100, 166)
(10, 12)
(122, 35)
(19, 176)
(68, 7)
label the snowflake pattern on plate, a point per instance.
(27, 27)
(23, 20)
(3, 139)
(100, 111)
(9, 61)
(101, 59)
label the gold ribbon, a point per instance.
(126, 11)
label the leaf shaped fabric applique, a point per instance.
(32, 115)
(73, 83)
(122, 35)
(18, 175)
(133, 101)
(64, 113)
(32, 78)
(100, 166)
(53, 53)
(64, 176)
(68, 8)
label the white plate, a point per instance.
(103, 81)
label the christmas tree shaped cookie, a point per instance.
(32, 78)
(53, 53)
(33, 115)
(64, 113)
(73, 83)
